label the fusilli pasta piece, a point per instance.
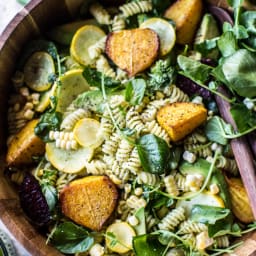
(170, 185)
(111, 145)
(123, 209)
(97, 49)
(106, 125)
(123, 151)
(188, 226)
(201, 150)
(103, 66)
(147, 178)
(133, 8)
(222, 241)
(96, 167)
(135, 202)
(118, 23)
(195, 137)
(70, 120)
(134, 121)
(181, 183)
(100, 14)
(154, 128)
(175, 94)
(172, 219)
(117, 174)
(63, 180)
(133, 163)
(151, 222)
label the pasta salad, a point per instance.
(115, 137)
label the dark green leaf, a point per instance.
(194, 70)
(208, 214)
(248, 19)
(206, 46)
(147, 245)
(135, 90)
(227, 44)
(71, 238)
(243, 117)
(141, 227)
(221, 227)
(239, 70)
(50, 194)
(49, 121)
(215, 130)
(94, 78)
(154, 153)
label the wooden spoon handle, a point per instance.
(242, 153)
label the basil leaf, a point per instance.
(147, 245)
(208, 214)
(221, 227)
(194, 70)
(243, 117)
(154, 153)
(239, 70)
(71, 238)
(135, 90)
(141, 227)
(227, 44)
(216, 130)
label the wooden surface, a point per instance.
(37, 16)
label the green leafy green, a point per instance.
(227, 44)
(239, 70)
(175, 156)
(94, 78)
(50, 194)
(49, 121)
(71, 238)
(154, 153)
(135, 90)
(161, 75)
(243, 117)
(194, 70)
(147, 245)
(248, 19)
(206, 46)
(141, 227)
(208, 214)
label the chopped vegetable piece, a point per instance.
(181, 118)
(165, 31)
(119, 237)
(87, 133)
(133, 50)
(37, 70)
(85, 37)
(89, 201)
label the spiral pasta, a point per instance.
(149, 114)
(222, 241)
(181, 183)
(154, 128)
(110, 146)
(97, 49)
(135, 202)
(106, 125)
(201, 150)
(151, 222)
(133, 8)
(123, 151)
(133, 163)
(63, 180)
(188, 226)
(172, 219)
(96, 167)
(134, 121)
(118, 23)
(170, 185)
(100, 14)
(195, 137)
(123, 209)
(103, 66)
(117, 174)
(177, 95)
(70, 120)
(147, 178)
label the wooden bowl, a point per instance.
(36, 17)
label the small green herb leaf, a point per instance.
(154, 153)
(227, 44)
(208, 214)
(135, 90)
(50, 194)
(71, 238)
(215, 130)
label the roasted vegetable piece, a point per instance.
(133, 50)
(181, 118)
(239, 200)
(25, 146)
(33, 201)
(89, 201)
(186, 14)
